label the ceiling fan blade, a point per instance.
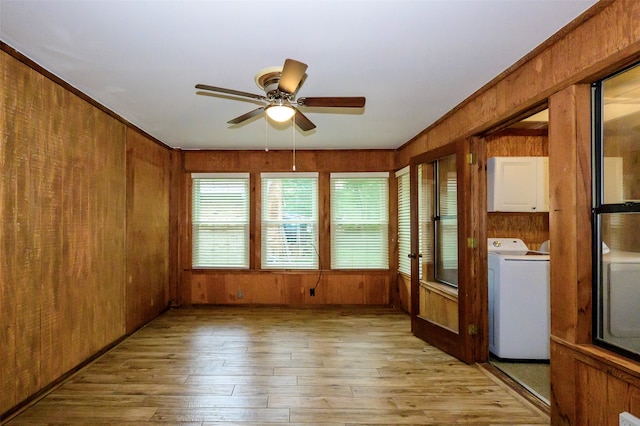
(292, 73)
(230, 92)
(246, 116)
(303, 122)
(335, 102)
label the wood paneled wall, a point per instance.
(589, 385)
(148, 188)
(63, 231)
(290, 287)
(401, 295)
(64, 210)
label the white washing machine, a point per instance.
(621, 298)
(519, 306)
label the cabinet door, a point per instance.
(542, 202)
(512, 184)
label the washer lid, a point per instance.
(507, 246)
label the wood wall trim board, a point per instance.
(382, 272)
(603, 359)
(478, 274)
(257, 161)
(570, 213)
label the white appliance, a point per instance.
(519, 307)
(621, 299)
(518, 184)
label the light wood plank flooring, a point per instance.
(280, 365)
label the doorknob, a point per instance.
(414, 256)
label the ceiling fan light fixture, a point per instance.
(280, 113)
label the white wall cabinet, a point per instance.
(518, 184)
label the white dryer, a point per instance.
(621, 299)
(519, 306)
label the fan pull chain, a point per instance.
(266, 128)
(293, 129)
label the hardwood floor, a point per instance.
(280, 365)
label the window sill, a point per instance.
(443, 290)
(214, 271)
(604, 359)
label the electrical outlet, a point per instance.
(627, 419)
(240, 294)
(312, 292)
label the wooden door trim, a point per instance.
(466, 345)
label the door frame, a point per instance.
(471, 343)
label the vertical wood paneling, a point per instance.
(617, 397)
(62, 231)
(289, 288)
(7, 236)
(591, 391)
(563, 386)
(148, 184)
(19, 256)
(52, 295)
(532, 228)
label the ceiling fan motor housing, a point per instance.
(268, 80)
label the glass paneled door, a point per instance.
(445, 280)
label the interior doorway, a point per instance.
(525, 219)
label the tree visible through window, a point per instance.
(289, 221)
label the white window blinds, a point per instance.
(359, 221)
(289, 220)
(404, 220)
(220, 220)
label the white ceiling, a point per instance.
(412, 60)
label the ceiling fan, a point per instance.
(280, 86)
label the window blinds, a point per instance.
(359, 221)
(404, 220)
(220, 220)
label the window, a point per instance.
(289, 220)
(438, 217)
(616, 212)
(404, 221)
(446, 221)
(359, 221)
(220, 220)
